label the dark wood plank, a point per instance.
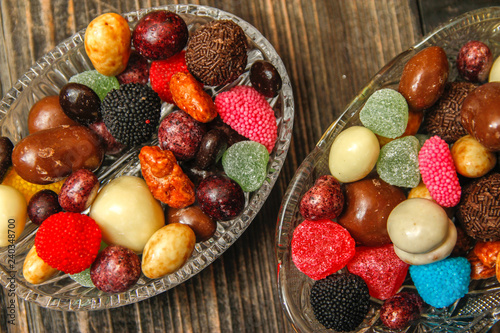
(330, 48)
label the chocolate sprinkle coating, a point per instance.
(443, 118)
(479, 209)
(217, 52)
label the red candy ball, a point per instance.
(474, 61)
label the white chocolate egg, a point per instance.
(35, 270)
(167, 250)
(353, 154)
(127, 213)
(417, 225)
(495, 71)
(471, 158)
(13, 214)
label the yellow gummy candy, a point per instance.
(26, 188)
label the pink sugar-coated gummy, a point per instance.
(249, 114)
(438, 172)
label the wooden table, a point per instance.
(330, 48)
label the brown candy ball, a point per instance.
(47, 113)
(368, 203)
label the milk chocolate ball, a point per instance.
(47, 113)
(480, 115)
(368, 203)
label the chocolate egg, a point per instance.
(480, 115)
(203, 226)
(471, 158)
(47, 113)
(212, 146)
(424, 77)
(265, 78)
(35, 270)
(368, 203)
(80, 103)
(43, 204)
(220, 197)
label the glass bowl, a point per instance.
(480, 308)
(46, 77)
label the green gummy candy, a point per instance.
(398, 162)
(99, 83)
(83, 278)
(385, 113)
(245, 162)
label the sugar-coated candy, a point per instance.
(443, 282)
(99, 83)
(385, 113)
(398, 162)
(324, 200)
(380, 268)
(321, 248)
(399, 310)
(246, 163)
(438, 172)
(249, 113)
(353, 154)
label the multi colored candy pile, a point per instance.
(210, 151)
(413, 195)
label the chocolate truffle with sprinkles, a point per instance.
(131, 113)
(340, 301)
(217, 52)
(479, 208)
(443, 118)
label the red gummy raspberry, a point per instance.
(161, 71)
(321, 248)
(68, 242)
(381, 268)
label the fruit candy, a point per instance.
(325, 200)
(68, 241)
(165, 178)
(385, 113)
(26, 188)
(161, 73)
(353, 154)
(438, 172)
(474, 61)
(249, 113)
(443, 282)
(220, 197)
(398, 162)
(399, 310)
(99, 83)
(115, 269)
(380, 268)
(246, 163)
(321, 248)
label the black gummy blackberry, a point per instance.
(340, 301)
(131, 113)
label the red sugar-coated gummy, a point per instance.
(438, 172)
(249, 114)
(68, 242)
(380, 268)
(321, 248)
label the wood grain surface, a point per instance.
(330, 48)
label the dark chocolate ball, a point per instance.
(265, 78)
(220, 197)
(80, 103)
(43, 204)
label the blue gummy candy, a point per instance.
(443, 282)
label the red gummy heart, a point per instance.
(381, 268)
(320, 248)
